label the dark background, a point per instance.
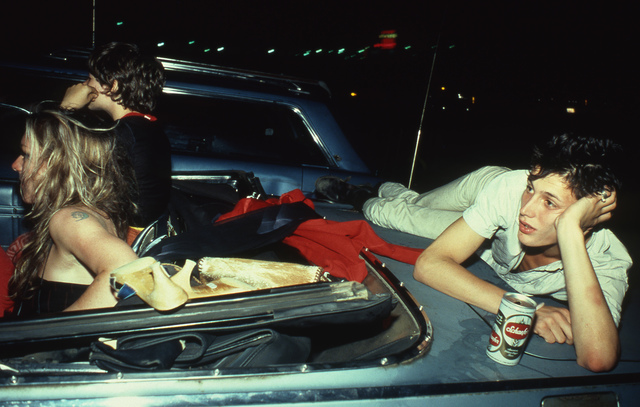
(523, 63)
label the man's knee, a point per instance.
(370, 206)
(391, 190)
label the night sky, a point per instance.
(528, 43)
(523, 61)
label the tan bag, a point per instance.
(225, 275)
(217, 276)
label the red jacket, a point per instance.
(6, 271)
(334, 246)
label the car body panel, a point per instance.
(311, 106)
(454, 371)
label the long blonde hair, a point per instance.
(71, 165)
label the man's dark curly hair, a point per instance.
(140, 77)
(586, 163)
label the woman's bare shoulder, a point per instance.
(79, 218)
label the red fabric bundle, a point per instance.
(6, 271)
(251, 204)
(334, 246)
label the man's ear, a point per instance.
(535, 170)
(114, 88)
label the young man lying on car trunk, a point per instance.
(544, 230)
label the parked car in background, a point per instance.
(280, 128)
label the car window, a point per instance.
(238, 129)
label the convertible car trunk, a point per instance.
(330, 323)
(342, 323)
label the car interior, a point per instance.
(330, 323)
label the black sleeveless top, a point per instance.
(52, 296)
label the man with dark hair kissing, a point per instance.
(126, 85)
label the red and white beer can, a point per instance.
(511, 329)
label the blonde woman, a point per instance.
(80, 192)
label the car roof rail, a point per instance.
(290, 83)
(76, 53)
(293, 84)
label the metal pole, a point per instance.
(424, 108)
(93, 26)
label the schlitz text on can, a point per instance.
(511, 329)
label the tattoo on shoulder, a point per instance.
(79, 215)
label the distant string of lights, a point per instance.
(341, 51)
(387, 42)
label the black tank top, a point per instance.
(52, 296)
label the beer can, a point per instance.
(511, 329)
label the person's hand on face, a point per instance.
(543, 201)
(78, 96)
(590, 211)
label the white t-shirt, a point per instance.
(494, 215)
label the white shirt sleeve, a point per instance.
(497, 204)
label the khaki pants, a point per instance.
(427, 214)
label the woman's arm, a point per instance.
(439, 267)
(84, 235)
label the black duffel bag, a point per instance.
(189, 349)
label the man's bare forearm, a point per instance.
(439, 267)
(454, 280)
(595, 335)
